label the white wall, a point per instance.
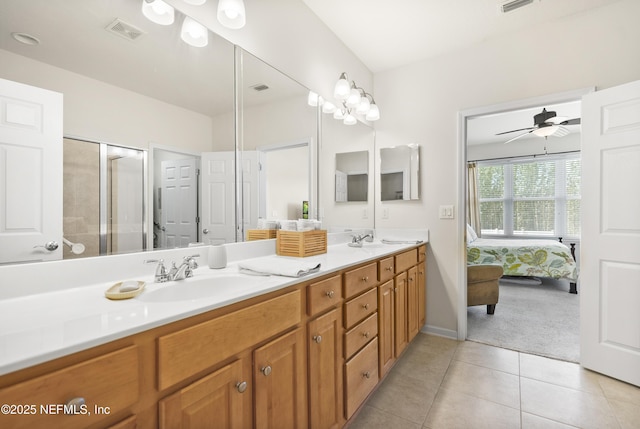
(420, 103)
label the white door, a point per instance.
(610, 248)
(250, 191)
(341, 186)
(178, 199)
(218, 199)
(31, 178)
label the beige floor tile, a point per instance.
(628, 414)
(403, 396)
(427, 366)
(530, 421)
(488, 356)
(565, 405)
(373, 418)
(619, 390)
(455, 410)
(567, 374)
(486, 383)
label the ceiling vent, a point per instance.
(259, 87)
(122, 29)
(513, 5)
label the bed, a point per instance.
(523, 257)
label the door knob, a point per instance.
(50, 246)
(205, 231)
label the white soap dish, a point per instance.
(125, 290)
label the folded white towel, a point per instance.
(399, 241)
(278, 267)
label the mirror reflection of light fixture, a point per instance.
(354, 100)
(158, 11)
(231, 13)
(194, 33)
(314, 99)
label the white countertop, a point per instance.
(41, 327)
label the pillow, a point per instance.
(471, 234)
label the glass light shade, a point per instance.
(546, 131)
(158, 12)
(195, 2)
(354, 98)
(373, 114)
(231, 13)
(194, 33)
(339, 114)
(313, 99)
(350, 119)
(364, 106)
(328, 107)
(341, 91)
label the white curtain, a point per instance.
(473, 207)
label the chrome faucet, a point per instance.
(356, 240)
(175, 273)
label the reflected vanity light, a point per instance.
(314, 99)
(158, 11)
(194, 33)
(231, 13)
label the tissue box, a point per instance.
(301, 243)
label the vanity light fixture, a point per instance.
(194, 33)
(231, 13)
(354, 100)
(158, 11)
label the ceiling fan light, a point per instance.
(546, 131)
(374, 113)
(364, 106)
(231, 13)
(194, 33)
(158, 11)
(342, 88)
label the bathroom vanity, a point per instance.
(303, 352)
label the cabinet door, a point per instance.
(412, 303)
(386, 334)
(325, 371)
(422, 294)
(213, 401)
(400, 304)
(280, 375)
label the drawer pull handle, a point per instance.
(317, 338)
(330, 294)
(365, 278)
(366, 374)
(365, 306)
(266, 370)
(365, 334)
(241, 386)
(77, 404)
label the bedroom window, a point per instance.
(530, 196)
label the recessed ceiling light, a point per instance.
(25, 38)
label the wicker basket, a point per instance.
(260, 234)
(301, 244)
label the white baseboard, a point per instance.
(441, 332)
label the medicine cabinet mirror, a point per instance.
(400, 173)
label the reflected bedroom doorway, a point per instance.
(551, 327)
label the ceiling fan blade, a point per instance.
(575, 121)
(513, 131)
(518, 136)
(556, 120)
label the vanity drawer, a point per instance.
(360, 279)
(107, 381)
(361, 376)
(386, 269)
(324, 295)
(360, 335)
(360, 307)
(406, 260)
(194, 349)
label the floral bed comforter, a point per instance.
(535, 258)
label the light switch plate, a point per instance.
(446, 212)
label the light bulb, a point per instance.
(374, 113)
(342, 88)
(364, 106)
(354, 98)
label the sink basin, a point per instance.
(202, 288)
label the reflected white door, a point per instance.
(250, 191)
(341, 186)
(31, 179)
(610, 248)
(218, 200)
(179, 203)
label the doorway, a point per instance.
(542, 146)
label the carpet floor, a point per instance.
(538, 319)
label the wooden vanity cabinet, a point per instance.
(386, 327)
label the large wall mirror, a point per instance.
(400, 173)
(352, 176)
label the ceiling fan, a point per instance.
(545, 124)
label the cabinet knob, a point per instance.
(365, 306)
(330, 294)
(265, 370)
(366, 374)
(317, 338)
(389, 268)
(365, 278)
(241, 386)
(410, 279)
(365, 334)
(76, 403)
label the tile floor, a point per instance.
(441, 383)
